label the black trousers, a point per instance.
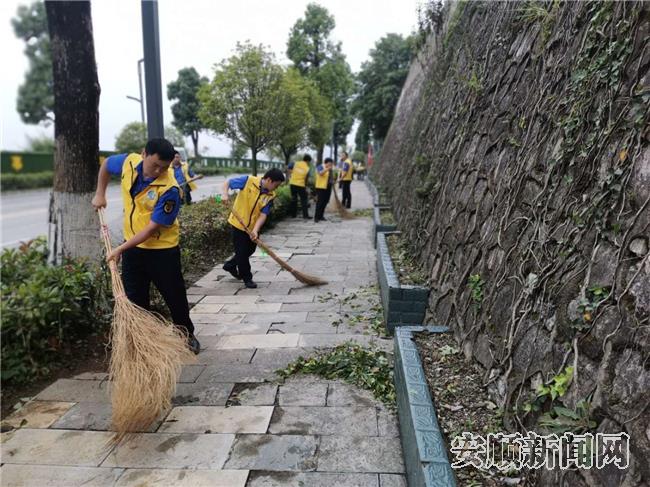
(323, 197)
(244, 248)
(188, 196)
(141, 267)
(347, 195)
(293, 208)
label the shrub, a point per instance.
(45, 308)
(27, 180)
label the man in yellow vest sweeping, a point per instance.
(150, 253)
(298, 183)
(323, 188)
(345, 178)
(183, 174)
(253, 204)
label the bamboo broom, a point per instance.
(147, 354)
(343, 211)
(195, 178)
(301, 276)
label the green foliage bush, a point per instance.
(45, 308)
(219, 171)
(31, 180)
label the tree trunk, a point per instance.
(73, 224)
(254, 157)
(319, 154)
(195, 141)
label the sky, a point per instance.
(198, 33)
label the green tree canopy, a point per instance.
(185, 110)
(240, 102)
(380, 83)
(35, 101)
(295, 116)
(133, 137)
(320, 59)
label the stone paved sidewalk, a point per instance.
(234, 423)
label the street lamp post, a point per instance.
(151, 45)
(141, 99)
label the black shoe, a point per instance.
(323, 219)
(194, 344)
(232, 268)
(250, 284)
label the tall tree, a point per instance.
(380, 83)
(133, 137)
(35, 101)
(240, 102)
(186, 108)
(293, 103)
(73, 222)
(319, 58)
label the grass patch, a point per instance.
(387, 217)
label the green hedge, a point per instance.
(218, 171)
(9, 181)
(45, 308)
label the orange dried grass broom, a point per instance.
(147, 354)
(301, 276)
(343, 211)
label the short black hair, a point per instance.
(274, 174)
(162, 147)
(329, 159)
(306, 158)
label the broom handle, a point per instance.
(273, 255)
(118, 287)
(200, 176)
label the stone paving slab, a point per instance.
(201, 419)
(343, 394)
(242, 373)
(295, 393)
(312, 479)
(189, 373)
(183, 478)
(252, 308)
(286, 298)
(360, 454)
(165, 450)
(274, 452)
(270, 318)
(213, 394)
(392, 480)
(234, 299)
(94, 416)
(225, 357)
(255, 395)
(353, 421)
(216, 318)
(287, 340)
(37, 414)
(302, 328)
(57, 476)
(203, 308)
(233, 329)
(55, 447)
(70, 390)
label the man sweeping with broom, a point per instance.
(151, 198)
(252, 206)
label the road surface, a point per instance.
(23, 213)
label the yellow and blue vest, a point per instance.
(249, 203)
(139, 208)
(299, 174)
(322, 180)
(347, 175)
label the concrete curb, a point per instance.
(423, 446)
(403, 305)
(379, 226)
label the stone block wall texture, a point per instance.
(523, 146)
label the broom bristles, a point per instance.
(343, 211)
(147, 354)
